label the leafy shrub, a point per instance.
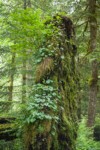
(84, 139)
(42, 101)
(11, 145)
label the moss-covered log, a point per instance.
(58, 131)
(7, 129)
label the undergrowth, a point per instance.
(84, 140)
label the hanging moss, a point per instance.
(49, 133)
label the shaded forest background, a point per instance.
(26, 39)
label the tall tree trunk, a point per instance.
(25, 4)
(10, 98)
(93, 94)
(24, 81)
(29, 3)
(24, 67)
(94, 64)
(24, 74)
(61, 69)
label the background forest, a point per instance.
(29, 75)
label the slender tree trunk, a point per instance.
(10, 98)
(24, 74)
(29, 65)
(29, 3)
(93, 94)
(11, 84)
(25, 4)
(94, 64)
(24, 67)
(24, 81)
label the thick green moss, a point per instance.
(62, 133)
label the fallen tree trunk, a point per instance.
(7, 129)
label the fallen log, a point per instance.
(7, 128)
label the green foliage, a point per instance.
(84, 139)
(25, 28)
(42, 54)
(11, 145)
(42, 103)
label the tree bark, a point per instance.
(11, 86)
(61, 69)
(12, 77)
(94, 64)
(25, 4)
(93, 94)
(24, 81)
